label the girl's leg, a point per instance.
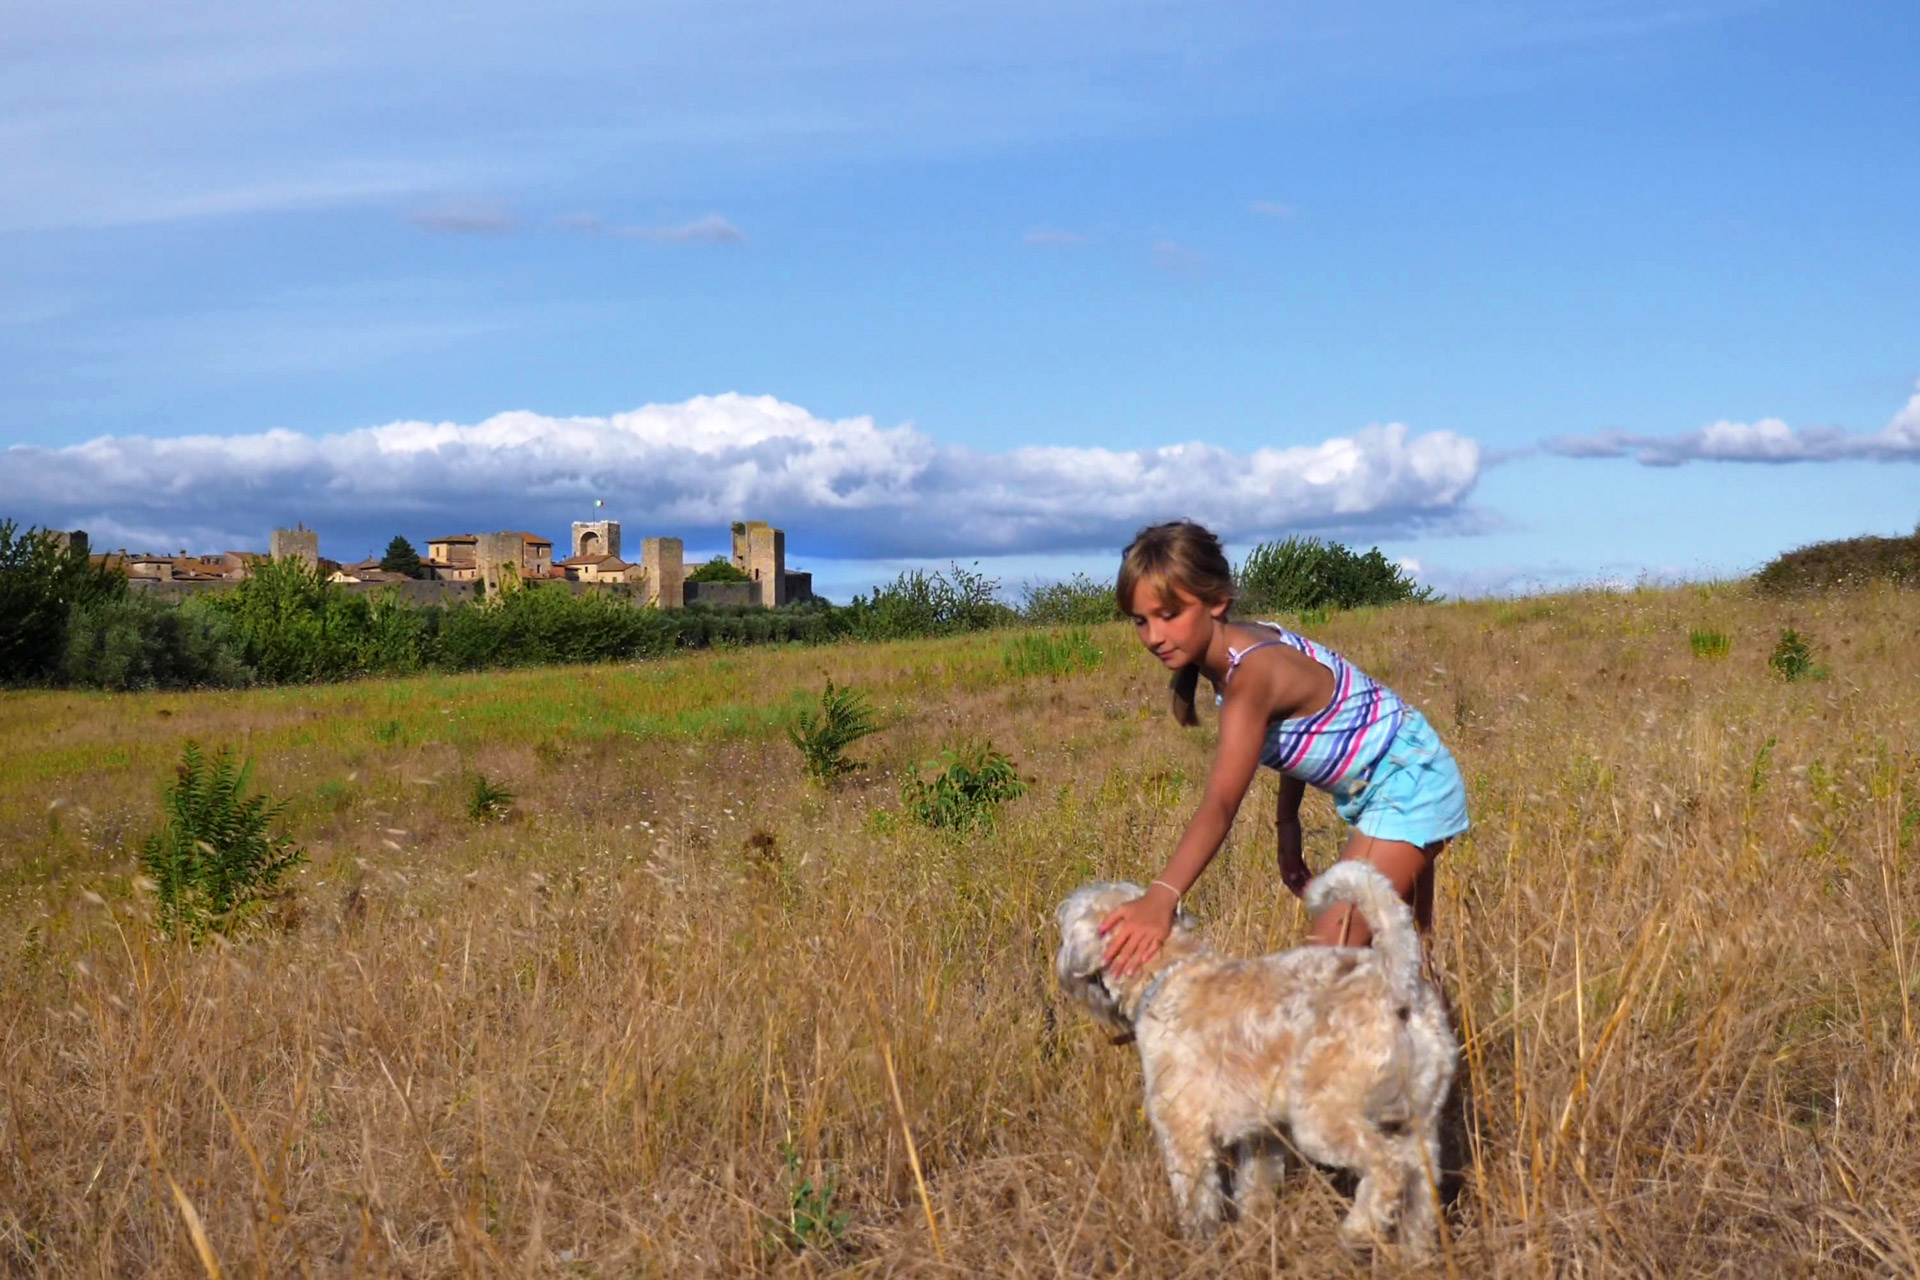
(1408, 866)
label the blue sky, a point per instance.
(1562, 292)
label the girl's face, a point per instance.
(1175, 627)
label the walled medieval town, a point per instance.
(488, 561)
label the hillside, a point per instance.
(652, 1024)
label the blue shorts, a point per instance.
(1413, 793)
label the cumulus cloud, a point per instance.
(1768, 440)
(712, 229)
(848, 488)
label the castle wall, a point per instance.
(721, 593)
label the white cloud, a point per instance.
(1176, 259)
(712, 229)
(1055, 238)
(1271, 209)
(1768, 440)
(468, 217)
(846, 488)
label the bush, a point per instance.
(822, 738)
(967, 792)
(1792, 658)
(42, 583)
(1850, 562)
(719, 569)
(1042, 653)
(214, 864)
(134, 641)
(292, 626)
(918, 604)
(1078, 601)
(1298, 574)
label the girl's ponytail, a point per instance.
(1184, 686)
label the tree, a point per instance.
(43, 580)
(402, 558)
(718, 569)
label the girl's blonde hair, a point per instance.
(1184, 557)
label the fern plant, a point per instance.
(822, 737)
(215, 863)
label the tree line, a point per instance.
(68, 621)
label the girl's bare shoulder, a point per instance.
(1286, 679)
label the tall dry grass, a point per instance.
(682, 993)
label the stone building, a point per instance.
(595, 538)
(475, 557)
(760, 552)
(298, 543)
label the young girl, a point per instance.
(1296, 707)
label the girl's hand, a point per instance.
(1134, 931)
(1294, 871)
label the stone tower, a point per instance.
(665, 560)
(760, 552)
(299, 543)
(596, 538)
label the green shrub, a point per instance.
(719, 569)
(488, 801)
(214, 864)
(1299, 574)
(1792, 658)
(1849, 562)
(823, 737)
(966, 792)
(135, 641)
(1052, 653)
(1077, 601)
(42, 584)
(1709, 644)
(918, 604)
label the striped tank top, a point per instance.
(1338, 746)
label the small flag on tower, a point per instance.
(599, 502)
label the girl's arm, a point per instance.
(1293, 864)
(1135, 930)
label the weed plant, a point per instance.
(822, 736)
(1053, 653)
(1709, 644)
(488, 801)
(215, 863)
(968, 786)
(1792, 658)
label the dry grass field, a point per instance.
(686, 1014)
